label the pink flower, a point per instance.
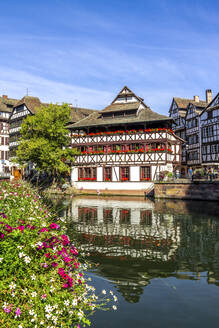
(47, 255)
(43, 229)
(76, 265)
(64, 276)
(54, 226)
(70, 282)
(43, 296)
(1, 235)
(21, 228)
(65, 285)
(18, 312)
(61, 271)
(65, 240)
(45, 265)
(7, 309)
(67, 259)
(54, 264)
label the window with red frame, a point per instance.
(107, 174)
(124, 174)
(146, 217)
(125, 216)
(87, 174)
(145, 173)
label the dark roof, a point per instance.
(96, 119)
(6, 104)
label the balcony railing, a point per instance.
(13, 130)
(125, 158)
(123, 136)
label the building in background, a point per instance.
(6, 107)
(187, 125)
(123, 147)
(209, 123)
(193, 135)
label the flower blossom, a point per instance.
(54, 226)
(18, 312)
(12, 285)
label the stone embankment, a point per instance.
(185, 189)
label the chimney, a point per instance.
(208, 96)
(196, 98)
(5, 96)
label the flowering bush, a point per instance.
(42, 282)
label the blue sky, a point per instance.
(85, 51)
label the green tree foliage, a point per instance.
(45, 140)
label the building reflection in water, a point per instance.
(133, 241)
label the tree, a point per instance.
(45, 140)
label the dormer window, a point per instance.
(107, 115)
(119, 114)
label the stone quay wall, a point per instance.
(198, 190)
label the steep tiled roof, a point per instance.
(119, 107)
(96, 119)
(6, 104)
(31, 102)
(183, 102)
(78, 113)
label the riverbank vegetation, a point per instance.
(42, 281)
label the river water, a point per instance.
(161, 259)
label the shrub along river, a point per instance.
(161, 258)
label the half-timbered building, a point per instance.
(209, 121)
(123, 147)
(6, 107)
(193, 138)
(177, 112)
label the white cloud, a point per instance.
(15, 83)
